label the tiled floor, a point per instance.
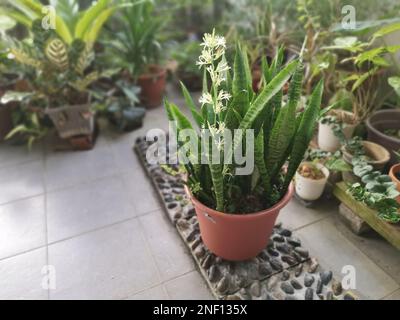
(87, 225)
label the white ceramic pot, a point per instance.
(327, 141)
(310, 189)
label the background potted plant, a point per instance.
(361, 73)
(384, 125)
(237, 212)
(190, 75)
(57, 63)
(135, 48)
(310, 180)
(120, 104)
(394, 173)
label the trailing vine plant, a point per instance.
(376, 190)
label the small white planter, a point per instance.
(310, 189)
(327, 141)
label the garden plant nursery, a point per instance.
(231, 154)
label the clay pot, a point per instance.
(327, 141)
(153, 86)
(310, 189)
(394, 173)
(380, 120)
(237, 237)
(256, 78)
(191, 81)
(373, 150)
(6, 123)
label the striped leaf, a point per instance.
(304, 134)
(285, 125)
(57, 53)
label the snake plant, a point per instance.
(228, 102)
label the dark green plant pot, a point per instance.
(128, 119)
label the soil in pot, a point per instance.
(153, 84)
(311, 180)
(311, 172)
(237, 237)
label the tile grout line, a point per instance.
(162, 284)
(310, 224)
(149, 251)
(361, 252)
(77, 235)
(388, 295)
(45, 213)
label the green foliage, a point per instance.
(397, 154)
(367, 62)
(184, 54)
(376, 190)
(236, 106)
(135, 45)
(71, 22)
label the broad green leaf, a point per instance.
(16, 96)
(386, 30)
(92, 34)
(394, 82)
(6, 22)
(89, 17)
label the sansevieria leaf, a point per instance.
(270, 90)
(304, 134)
(285, 125)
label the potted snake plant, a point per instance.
(135, 48)
(237, 210)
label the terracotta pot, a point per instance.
(310, 189)
(380, 120)
(6, 123)
(191, 81)
(373, 150)
(327, 141)
(237, 237)
(153, 86)
(256, 79)
(395, 170)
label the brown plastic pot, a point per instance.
(237, 237)
(395, 170)
(153, 86)
(379, 121)
(379, 154)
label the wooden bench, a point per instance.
(391, 232)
